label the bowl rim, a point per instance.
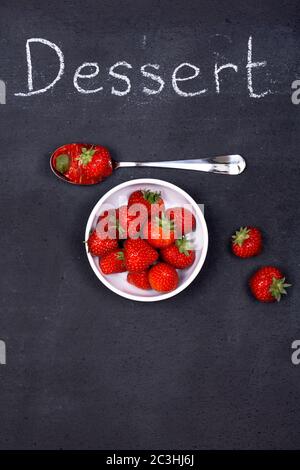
(198, 266)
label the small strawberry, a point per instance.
(83, 164)
(139, 280)
(113, 262)
(184, 220)
(180, 254)
(163, 277)
(139, 255)
(268, 284)
(64, 160)
(149, 199)
(100, 246)
(247, 242)
(159, 232)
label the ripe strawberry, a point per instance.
(139, 280)
(138, 255)
(184, 220)
(247, 242)
(83, 165)
(163, 277)
(100, 246)
(180, 254)
(151, 200)
(106, 224)
(107, 214)
(268, 284)
(159, 232)
(113, 262)
(130, 222)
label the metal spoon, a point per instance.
(225, 165)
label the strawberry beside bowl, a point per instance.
(173, 196)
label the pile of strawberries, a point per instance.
(268, 283)
(146, 240)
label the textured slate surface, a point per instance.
(210, 368)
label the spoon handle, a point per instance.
(225, 165)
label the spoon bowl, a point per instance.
(60, 175)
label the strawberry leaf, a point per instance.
(166, 224)
(62, 163)
(240, 236)
(120, 255)
(278, 288)
(86, 155)
(151, 196)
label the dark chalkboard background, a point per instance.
(210, 368)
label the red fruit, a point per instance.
(184, 220)
(247, 242)
(180, 255)
(107, 225)
(113, 262)
(108, 214)
(159, 232)
(268, 284)
(139, 280)
(100, 246)
(151, 200)
(130, 222)
(139, 255)
(82, 163)
(163, 277)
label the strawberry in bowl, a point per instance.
(151, 200)
(183, 219)
(180, 254)
(159, 231)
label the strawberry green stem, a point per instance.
(86, 155)
(240, 236)
(151, 196)
(278, 287)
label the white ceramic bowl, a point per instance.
(173, 196)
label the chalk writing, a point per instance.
(182, 73)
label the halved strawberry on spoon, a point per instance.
(83, 163)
